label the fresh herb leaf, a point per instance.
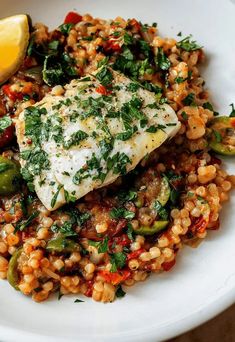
(65, 28)
(118, 261)
(184, 115)
(125, 196)
(161, 211)
(189, 100)
(102, 62)
(101, 245)
(54, 198)
(79, 301)
(188, 45)
(232, 114)
(128, 39)
(162, 61)
(75, 139)
(5, 122)
(119, 292)
(208, 105)
(117, 213)
(127, 134)
(104, 76)
(25, 223)
(130, 232)
(60, 295)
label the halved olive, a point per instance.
(222, 135)
(12, 273)
(9, 176)
(62, 244)
(155, 228)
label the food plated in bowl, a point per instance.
(115, 90)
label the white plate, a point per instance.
(203, 282)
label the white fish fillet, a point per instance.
(71, 171)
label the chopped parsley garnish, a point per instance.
(65, 28)
(66, 229)
(184, 115)
(162, 61)
(208, 105)
(133, 87)
(130, 232)
(188, 45)
(20, 226)
(119, 292)
(125, 196)
(102, 62)
(118, 162)
(79, 301)
(104, 76)
(161, 211)
(180, 79)
(232, 114)
(118, 261)
(102, 246)
(127, 134)
(5, 122)
(117, 213)
(75, 139)
(128, 39)
(189, 100)
(54, 198)
(152, 129)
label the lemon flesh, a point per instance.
(14, 38)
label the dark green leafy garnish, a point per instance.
(184, 116)
(54, 198)
(5, 122)
(65, 28)
(232, 114)
(162, 61)
(20, 226)
(189, 99)
(118, 261)
(79, 301)
(75, 139)
(117, 213)
(161, 211)
(104, 76)
(119, 292)
(188, 45)
(101, 245)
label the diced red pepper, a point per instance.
(72, 18)
(88, 292)
(135, 254)
(115, 278)
(6, 136)
(199, 225)
(103, 90)
(112, 46)
(168, 265)
(13, 95)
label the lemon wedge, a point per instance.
(14, 38)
